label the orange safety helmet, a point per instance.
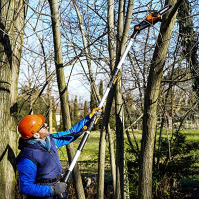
(29, 125)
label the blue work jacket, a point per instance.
(36, 163)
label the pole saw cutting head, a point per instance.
(152, 18)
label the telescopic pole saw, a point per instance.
(153, 18)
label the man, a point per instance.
(38, 162)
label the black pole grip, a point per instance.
(92, 122)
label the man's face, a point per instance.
(43, 132)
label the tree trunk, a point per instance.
(9, 67)
(119, 113)
(5, 89)
(50, 114)
(119, 142)
(123, 30)
(95, 96)
(101, 164)
(189, 42)
(150, 103)
(8, 143)
(117, 175)
(63, 93)
(17, 41)
(169, 122)
(102, 145)
(112, 157)
(112, 57)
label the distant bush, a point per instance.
(166, 170)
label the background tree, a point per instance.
(63, 93)
(54, 121)
(101, 91)
(85, 108)
(76, 111)
(150, 103)
(189, 41)
(123, 29)
(12, 20)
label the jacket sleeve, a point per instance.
(27, 172)
(65, 137)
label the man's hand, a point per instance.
(99, 110)
(59, 188)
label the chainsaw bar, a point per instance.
(165, 9)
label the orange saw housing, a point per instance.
(151, 18)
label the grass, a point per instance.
(91, 148)
(191, 134)
(88, 160)
(90, 151)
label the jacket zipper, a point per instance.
(51, 156)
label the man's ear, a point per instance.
(36, 135)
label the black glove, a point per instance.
(59, 188)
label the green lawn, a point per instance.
(88, 159)
(91, 148)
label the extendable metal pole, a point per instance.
(112, 81)
(144, 24)
(93, 119)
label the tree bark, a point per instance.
(64, 94)
(11, 23)
(9, 70)
(17, 41)
(189, 42)
(150, 103)
(5, 89)
(123, 30)
(102, 145)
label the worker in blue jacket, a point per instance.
(38, 162)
